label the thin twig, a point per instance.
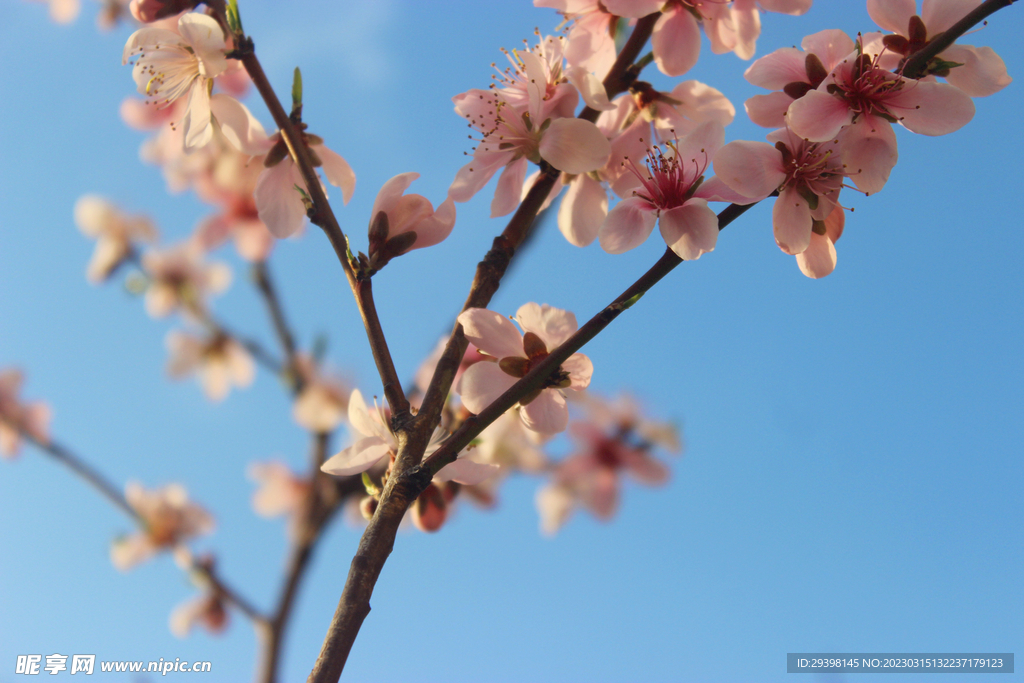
(93, 477)
(85, 471)
(322, 215)
(265, 285)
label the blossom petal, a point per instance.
(869, 152)
(510, 188)
(206, 38)
(546, 414)
(791, 219)
(777, 70)
(436, 227)
(580, 369)
(939, 15)
(471, 178)
(819, 259)
(627, 226)
(466, 471)
(553, 325)
(359, 457)
(591, 88)
(754, 169)
(768, 110)
(391, 191)
(931, 108)
(690, 230)
(196, 125)
(492, 333)
(239, 126)
(574, 146)
(831, 46)
(584, 207)
(481, 384)
(362, 420)
(892, 15)
(278, 203)
(818, 116)
(338, 172)
(983, 72)
(676, 42)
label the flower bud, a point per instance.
(147, 11)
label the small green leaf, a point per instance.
(234, 18)
(297, 89)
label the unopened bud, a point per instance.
(378, 232)
(368, 506)
(430, 509)
(147, 11)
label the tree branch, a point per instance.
(535, 379)
(408, 480)
(327, 496)
(916, 65)
(322, 215)
(92, 476)
(265, 285)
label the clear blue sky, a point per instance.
(853, 476)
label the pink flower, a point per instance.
(114, 231)
(627, 125)
(739, 32)
(591, 36)
(167, 518)
(530, 119)
(179, 278)
(507, 442)
(281, 491)
(378, 443)
(544, 329)
(323, 402)
(673, 194)
(172, 64)
(614, 439)
(220, 361)
(808, 176)
(858, 89)
(977, 71)
(17, 418)
(278, 203)
(793, 73)
(208, 611)
(412, 213)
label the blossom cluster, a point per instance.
(627, 162)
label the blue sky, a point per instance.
(852, 475)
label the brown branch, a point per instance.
(537, 376)
(230, 595)
(85, 471)
(408, 480)
(916, 65)
(327, 495)
(490, 271)
(322, 215)
(265, 285)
